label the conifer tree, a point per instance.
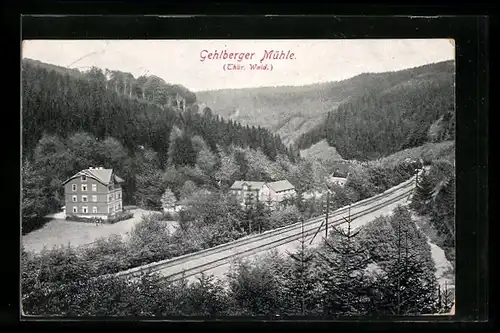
(168, 199)
(343, 263)
(299, 279)
(408, 285)
(422, 194)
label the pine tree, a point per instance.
(168, 199)
(422, 194)
(300, 281)
(344, 261)
(409, 284)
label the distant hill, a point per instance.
(292, 111)
(407, 109)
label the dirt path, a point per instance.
(444, 268)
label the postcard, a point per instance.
(224, 178)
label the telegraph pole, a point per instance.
(327, 212)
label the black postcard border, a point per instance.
(470, 34)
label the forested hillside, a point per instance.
(396, 114)
(293, 111)
(73, 120)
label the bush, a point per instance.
(108, 255)
(150, 241)
(120, 216)
(286, 216)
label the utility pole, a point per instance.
(327, 212)
(399, 268)
(302, 277)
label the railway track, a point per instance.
(195, 263)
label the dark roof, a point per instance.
(238, 185)
(101, 175)
(281, 185)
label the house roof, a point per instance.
(333, 178)
(238, 185)
(101, 175)
(281, 185)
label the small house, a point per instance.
(340, 174)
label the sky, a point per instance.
(180, 62)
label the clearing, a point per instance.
(60, 232)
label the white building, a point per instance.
(272, 192)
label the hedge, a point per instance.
(120, 216)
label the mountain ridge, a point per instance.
(293, 110)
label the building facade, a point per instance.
(247, 191)
(270, 193)
(93, 193)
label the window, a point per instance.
(74, 198)
(84, 178)
(110, 197)
(75, 210)
(94, 209)
(84, 198)
(94, 198)
(94, 187)
(74, 187)
(84, 187)
(110, 209)
(85, 210)
(119, 206)
(110, 187)
(118, 195)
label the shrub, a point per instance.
(120, 216)
(150, 241)
(286, 216)
(108, 255)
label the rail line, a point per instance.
(188, 272)
(311, 225)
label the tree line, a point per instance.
(435, 198)
(62, 104)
